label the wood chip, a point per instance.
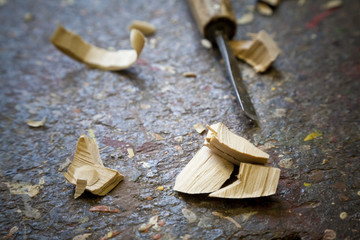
(259, 52)
(264, 9)
(273, 3)
(189, 74)
(232, 147)
(88, 167)
(199, 128)
(227, 218)
(28, 17)
(245, 19)
(130, 152)
(144, 27)
(82, 236)
(332, 4)
(75, 47)
(206, 43)
(343, 215)
(253, 181)
(35, 124)
(205, 173)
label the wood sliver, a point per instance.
(213, 164)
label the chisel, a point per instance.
(217, 23)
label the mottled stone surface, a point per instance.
(151, 107)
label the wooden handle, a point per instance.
(212, 16)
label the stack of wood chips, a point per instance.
(212, 165)
(87, 171)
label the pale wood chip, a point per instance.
(232, 147)
(253, 181)
(199, 128)
(245, 19)
(218, 214)
(130, 152)
(35, 124)
(206, 43)
(259, 52)
(189, 74)
(332, 4)
(88, 166)
(205, 173)
(144, 27)
(273, 3)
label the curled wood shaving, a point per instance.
(75, 47)
(199, 128)
(144, 27)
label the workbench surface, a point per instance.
(312, 86)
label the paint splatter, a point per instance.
(318, 18)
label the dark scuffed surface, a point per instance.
(313, 85)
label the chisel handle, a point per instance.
(212, 16)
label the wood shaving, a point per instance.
(36, 124)
(130, 152)
(227, 218)
(199, 128)
(343, 215)
(206, 172)
(301, 3)
(332, 4)
(264, 9)
(189, 74)
(259, 52)
(253, 181)
(206, 43)
(156, 136)
(232, 147)
(82, 236)
(88, 168)
(28, 17)
(144, 27)
(75, 47)
(245, 19)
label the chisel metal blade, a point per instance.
(234, 73)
